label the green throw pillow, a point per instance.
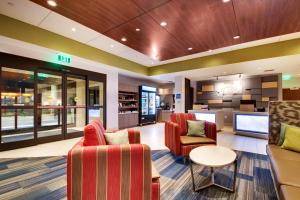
(292, 138)
(282, 133)
(119, 137)
(196, 128)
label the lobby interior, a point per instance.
(160, 99)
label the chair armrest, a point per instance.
(172, 137)
(134, 136)
(111, 170)
(211, 130)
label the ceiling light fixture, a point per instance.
(236, 37)
(163, 23)
(112, 46)
(225, 1)
(124, 39)
(190, 48)
(137, 29)
(73, 29)
(209, 50)
(52, 3)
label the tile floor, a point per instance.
(153, 135)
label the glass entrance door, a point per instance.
(17, 105)
(96, 100)
(76, 104)
(49, 104)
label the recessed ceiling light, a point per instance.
(124, 39)
(190, 48)
(73, 29)
(225, 1)
(163, 23)
(137, 29)
(112, 46)
(236, 37)
(209, 50)
(52, 3)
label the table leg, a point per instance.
(213, 179)
(212, 174)
(192, 173)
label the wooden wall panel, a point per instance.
(208, 88)
(272, 84)
(246, 97)
(215, 101)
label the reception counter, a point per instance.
(215, 116)
(254, 124)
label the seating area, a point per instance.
(94, 166)
(149, 99)
(177, 140)
(284, 163)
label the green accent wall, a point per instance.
(16, 29)
(278, 49)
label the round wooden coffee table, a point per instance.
(213, 157)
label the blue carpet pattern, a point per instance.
(45, 178)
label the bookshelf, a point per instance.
(128, 109)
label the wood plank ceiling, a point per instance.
(198, 24)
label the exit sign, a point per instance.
(63, 58)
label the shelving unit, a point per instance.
(128, 109)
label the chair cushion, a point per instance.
(119, 137)
(186, 140)
(286, 172)
(276, 152)
(196, 128)
(282, 133)
(292, 138)
(180, 119)
(285, 164)
(93, 135)
(290, 192)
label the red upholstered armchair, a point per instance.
(110, 172)
(178, 142)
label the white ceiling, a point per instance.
(29, 12)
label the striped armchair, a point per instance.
(110, 172)
(178, 142)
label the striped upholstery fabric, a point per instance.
(178, 127)
(180, 119)
(93, 135)
(211, 130)
(134, 136)
(155, 190)
(110, 172)
(172, 137)
(99, 124)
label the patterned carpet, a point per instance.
(45, 178)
